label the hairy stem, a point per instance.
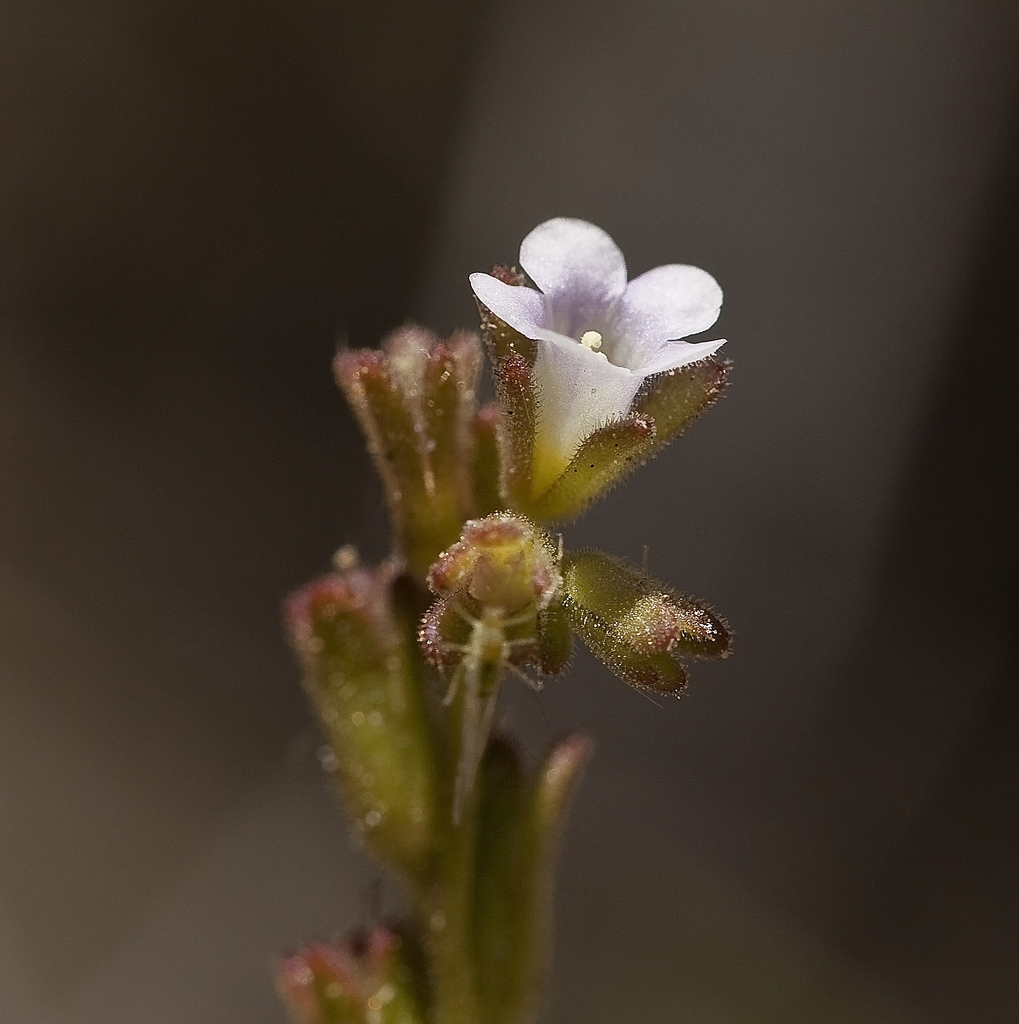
(447, 926)
(447, 905)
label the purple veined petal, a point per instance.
(578, 267)
(579, 391)
(522, 308)
(665, 304)
(679, 353)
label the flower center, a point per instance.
(591, 340)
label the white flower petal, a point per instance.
(631, 331)
(578, 267)
(580, 391)
(522, 308)
(680, 353)
(665, 304)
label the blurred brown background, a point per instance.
(198, 202)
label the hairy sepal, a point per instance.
(674, 399)
(604, 459)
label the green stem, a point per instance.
(447, 904)
(448, 911)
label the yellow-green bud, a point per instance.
(635, 624)
(415, 401)
(360, 671)
(366, 979)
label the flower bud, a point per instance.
(500, 580)
(321, 986)
(635, 624)
(356, 647)
(415, 402)
(501, 561)
(498, 590)
(363, 980)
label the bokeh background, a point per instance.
(199, 201)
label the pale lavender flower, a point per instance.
(598, 337)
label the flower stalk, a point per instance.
(404, 662)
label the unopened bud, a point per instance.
(635, 624)
(360, 672)
(502, 564)
(500, 561)
(366, 979)
(496, 587)
(320, 985)
(415, 401)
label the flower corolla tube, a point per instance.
(598, 337)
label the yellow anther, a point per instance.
(591, 340)
(346, 558)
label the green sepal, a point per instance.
(675, 398)
(519, 823)
(517, 398)
(357, 647)
(555, 638)
(501, 340)
(604, 459)
(666, 405)
(367, 381)
(512, 357)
